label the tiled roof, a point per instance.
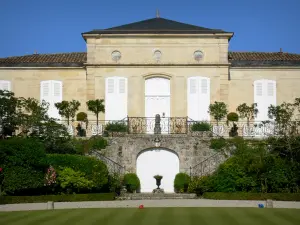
(156, 26)
(263, 56)
(59, 59)
(77, 59)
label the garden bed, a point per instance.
(57, 198)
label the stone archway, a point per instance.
(155, 161)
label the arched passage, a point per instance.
(157, 161)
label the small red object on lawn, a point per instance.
(141, 206)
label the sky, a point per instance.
(55, 26)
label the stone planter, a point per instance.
(158, 180)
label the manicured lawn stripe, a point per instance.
(154, 216)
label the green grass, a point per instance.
(153, 216)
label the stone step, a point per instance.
(148, 196)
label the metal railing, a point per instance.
(173, 125)
(208, 165)
(112, 166)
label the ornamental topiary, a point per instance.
(132, 182)
(233, 117)
(81, 116)
(181, 182)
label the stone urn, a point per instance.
(158, 180)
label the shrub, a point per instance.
(199, 185)
(57, 198)
(201, 126)
(24, 162)
(97, 143)
(72, 181)
(217, 143)
(181, 182)
(116, 127)
(252, 196)
(94, 170)
(132, 182)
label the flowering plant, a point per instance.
(50, 177)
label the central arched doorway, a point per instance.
(157, 161)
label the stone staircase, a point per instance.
(156, 196)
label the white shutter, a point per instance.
(198, 98)
(56, 97)
(5, 85)
(271, 94)
(193, 98)
(110, 85)
(45, 91)
(204, 99)
(122, 85)
(264, 96)
(116, 98)
(51, 92)
(259, 100)
(122, 98)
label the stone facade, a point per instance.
(190, 150)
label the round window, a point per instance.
(157, 55)
(198, 55)
(116, 56)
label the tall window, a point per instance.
(51, 92)
(198, 98)
(116, 98)
(264, 96)
(5, 85)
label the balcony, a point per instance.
(170, 126)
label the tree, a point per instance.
(67, 109)
(218, 110)
(96, 106)
(34, 114)
(10, 111)
(248, 112)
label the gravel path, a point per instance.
(147, 203)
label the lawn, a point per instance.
(153, 216)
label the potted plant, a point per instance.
(248, 112)
(218, 110)
(158, 180)
(233, 117)
(81, 117)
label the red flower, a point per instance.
(1, 169)
(141, 206)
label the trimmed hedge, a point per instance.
(252, 196)
(201, 126)
(57, 198)
(181, 182)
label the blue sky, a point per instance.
(53, 26)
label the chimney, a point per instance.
(280, 50)
(35, 52)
